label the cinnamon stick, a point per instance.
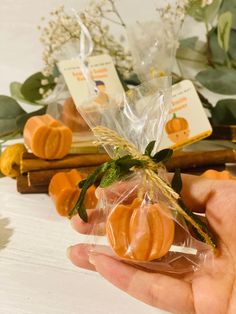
(30, 163)
(23, 186)
(43, 178)
(190, 160)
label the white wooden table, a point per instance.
(35, 275)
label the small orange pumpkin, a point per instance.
(176, 124)
(65, 192)
(218, 175)
(46, 137)
(72, 118)
(140, 232)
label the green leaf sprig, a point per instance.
(112, 171)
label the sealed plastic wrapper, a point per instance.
(139, 213)
(153, 43)
(145, 222)
(62, 107)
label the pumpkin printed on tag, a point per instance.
(177, 129)
(142, 232)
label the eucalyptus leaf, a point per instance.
(149, 148)
(30, 88)
(212, 10)
(15, 134)
(224, 30)
(221, 80)
(224, 113)
(163, 155)
(176, 182)
(9, 108)
(188, 54)
(218, 56)
(7, 126)
(188, 42)
(232, 46)
(229, 5)
(21, 120)
(15, 90)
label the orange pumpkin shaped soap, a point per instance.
(47, 138)
(218, 175)
(72, 118)
(140, 232)
(65, 192)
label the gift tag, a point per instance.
(102, 72)
(187, 121)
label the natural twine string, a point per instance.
(107, 136)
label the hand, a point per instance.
(210, 290)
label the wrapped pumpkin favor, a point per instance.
(145, 221)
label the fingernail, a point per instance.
(92, 257)
(68, 251)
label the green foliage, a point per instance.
(112, 175)
(215, 60)
(224, 112)
(15, 91)
(9, 111)
(163, 155)
(149, 148)
(221, 80)
(189, 42)
(211, 11)
(30, 88)
(232, 46)
(224, 30)
(13, 117)
(218, 56)
(229, 5)
(195, 10)
(205, 14)
(112, 171)
(176, 182)
(22, 119)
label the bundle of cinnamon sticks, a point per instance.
(36, 173)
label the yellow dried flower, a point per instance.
(10, 160)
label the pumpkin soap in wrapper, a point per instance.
(146, 222)
(140, 232)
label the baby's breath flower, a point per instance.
(63, 29)
(44, 82)
(41, 91)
